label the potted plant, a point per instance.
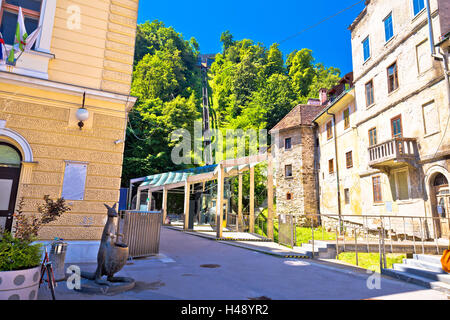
(20, 257)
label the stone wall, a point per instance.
(302, 185)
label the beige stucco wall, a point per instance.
(54, 137)
(421, 81)
(99, 54)
(347, 140)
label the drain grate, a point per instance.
(210, 266)
(260, 298)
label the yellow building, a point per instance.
(338, 152)
(85, 47)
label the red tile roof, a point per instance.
(302, 114)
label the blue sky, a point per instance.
(262, 21)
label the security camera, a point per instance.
(118, 141)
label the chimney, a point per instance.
(323, 96)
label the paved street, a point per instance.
(231, 273)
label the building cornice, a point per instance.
(16, 79)
(403, 99)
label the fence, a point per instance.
(141, 232)
(377, 233)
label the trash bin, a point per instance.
(58, 257)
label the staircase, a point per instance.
(322, 250)
(423, 270)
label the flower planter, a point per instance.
(20, 285)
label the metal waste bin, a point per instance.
(58, 257)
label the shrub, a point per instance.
(18, 254)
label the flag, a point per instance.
(31, 39)
(22, 41)
(3, 55)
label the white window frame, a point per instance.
(393, 30)
(418, 13)
(370, 48)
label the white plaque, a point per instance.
(74, 181)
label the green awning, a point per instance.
(168, 178)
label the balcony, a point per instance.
(393, 153)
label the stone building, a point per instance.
(402, 97)
(84, 48)
(293, 141)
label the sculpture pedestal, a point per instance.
(91, 287)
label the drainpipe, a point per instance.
(316, 169)
(337, 167)
(430, 28)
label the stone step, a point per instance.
(428, 258)
(424, 273)
(323, 244)
(308, 246)
(424, 265)
(416, 279)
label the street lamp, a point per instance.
(82, 114)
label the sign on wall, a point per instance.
(74, 181)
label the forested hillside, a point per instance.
(251, 85)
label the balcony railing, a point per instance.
(397, 150)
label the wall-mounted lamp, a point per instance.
(82, 113)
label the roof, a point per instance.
(303, 114)
(359, 17)
(168, 178)
(328, 107)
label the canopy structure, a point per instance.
(190, 177)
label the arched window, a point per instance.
(440, 180)
(9, 156)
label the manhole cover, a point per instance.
(260, 298)
(210, 266)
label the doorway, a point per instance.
(440, 201)
(10, 166)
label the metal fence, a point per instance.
(381, 234)
(141, 231)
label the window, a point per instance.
(349, 159)
(331, 166)
(347, 118)
(329, 130)
(366, 48)
(396, 125)
(288, 143)
(373, 137)
(430, 118)
(424, 59)
(347, 196)
(401, 185)
(392, 77)
(8, 17)
(388, 27)
(376, 182)
(418, 6)
(289, 196)
(370, 100)
(288, 171)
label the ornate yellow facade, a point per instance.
(86, 47)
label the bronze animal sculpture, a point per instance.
(112, 255)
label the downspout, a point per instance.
(316, 169)
(430, 28)
(337, 167)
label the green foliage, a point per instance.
(371, 261)
(18, 254)
(252, 86)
